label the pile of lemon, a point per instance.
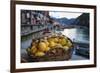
(41, 46)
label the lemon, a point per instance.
(33, 49)
(66, 47)
(56, 40)
(63, 42)
(46, 42)
(69, 43)
(39, 53)
(52, 44)
(51, 39)
(58, 45)
(42, 46)
(47, 49)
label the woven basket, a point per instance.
(54, 54)
(60, 55)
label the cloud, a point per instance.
(68, 15)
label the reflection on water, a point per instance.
(77, 34)
(71, 33)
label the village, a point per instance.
(38, 23)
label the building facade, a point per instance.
(37, 23)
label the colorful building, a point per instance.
(37, 23)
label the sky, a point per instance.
(68, 15)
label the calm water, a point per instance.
(77, 34)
